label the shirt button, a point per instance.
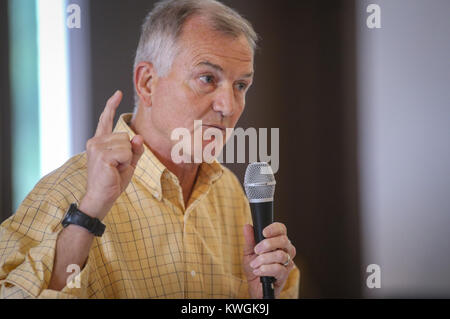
(193, 273)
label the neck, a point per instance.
(162, 149)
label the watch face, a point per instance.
(76, 217)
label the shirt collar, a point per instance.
(152, 173)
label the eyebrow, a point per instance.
(219, 68)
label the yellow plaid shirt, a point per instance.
(153, 246)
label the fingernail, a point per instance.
(256, 272)
(253, 264)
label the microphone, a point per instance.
(259, 184)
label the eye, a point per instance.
(241, 86)
(207, 79)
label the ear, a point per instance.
(144, 80)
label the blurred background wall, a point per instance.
(404, 141)
(363, 117)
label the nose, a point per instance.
(224, 101)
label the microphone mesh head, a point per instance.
(259, 183)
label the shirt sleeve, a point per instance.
(27, 251)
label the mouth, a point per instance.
(219, 127)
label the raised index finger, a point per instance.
(106, 121)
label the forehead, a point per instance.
(200, 41)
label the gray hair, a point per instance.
(163, 25)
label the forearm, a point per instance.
(72, 247)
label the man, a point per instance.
(173, 230)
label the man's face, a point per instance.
(208, 81)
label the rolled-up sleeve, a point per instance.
(27, 251)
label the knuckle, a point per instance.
(92, 145)
(264, 258)
(267, 244)
(285, 240)
(95, 148)
(259, 260)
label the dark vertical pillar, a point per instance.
(5, 117)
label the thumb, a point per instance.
(249, 240)
(137, 145)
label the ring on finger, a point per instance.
(288, 260)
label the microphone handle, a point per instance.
(262, 215)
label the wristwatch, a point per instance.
(76, 217)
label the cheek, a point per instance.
(175, 106)
(237, 115)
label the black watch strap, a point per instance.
(76, 217)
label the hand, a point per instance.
(111, 161)
(267, 258)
